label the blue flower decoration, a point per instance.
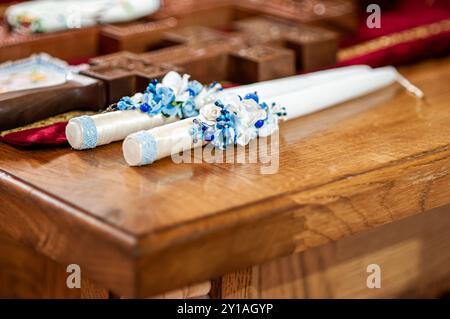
(165, 95)
(224, 131)
(188, 109)
(160, 99)
(195, 87)
(170, 110)
(154, 106)
(151, 88)
(224, 137)
(229, 129)
(147, 98)
(125, 103)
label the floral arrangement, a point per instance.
(176, 95)
(235, 120)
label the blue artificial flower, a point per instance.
(188, 109)
(149, 104)
(229, 129)
(225, 128)
(125, 103)
(151, 88)
(147, 98)
(165, 95)
(201, 131)
(156, 108)
(170, 110)
(159, 99)
(224, 137)
(195, 87)
(121, 105)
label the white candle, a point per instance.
(273, 88)
(145, 147)
(91, 131)
(148, 146)
(321, 96)
(87, 132)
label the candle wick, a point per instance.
(409, 86)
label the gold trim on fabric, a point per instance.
(393, 39)
(49, 121)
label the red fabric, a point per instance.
(398, 16)
(80, 60)
(48, 135)
(407, 52)
(401, 16)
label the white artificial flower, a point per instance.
(250, 105)
(137, 98)
(183, 96)
(251, 112)
(207, 95)
(256, 115)
(277, 108)
(176, 82)
(270, 126)
(209, 113)
(245, 134)
(201, 99)
(231, 101)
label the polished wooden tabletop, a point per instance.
(149, 229)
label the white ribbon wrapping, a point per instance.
(147, 146)
(101, 129)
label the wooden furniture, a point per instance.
(409, 253)
(145, 34)
(223, 15)
(355, 185)
(259, 49)
(81, 92)
(67, 45)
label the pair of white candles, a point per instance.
(91, 131)
(157, 137)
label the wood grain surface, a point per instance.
(411, 254)
(24, 273)
(143, 231)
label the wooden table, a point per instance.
(383, 159)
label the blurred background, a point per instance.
(122, 44)
(410, 30)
